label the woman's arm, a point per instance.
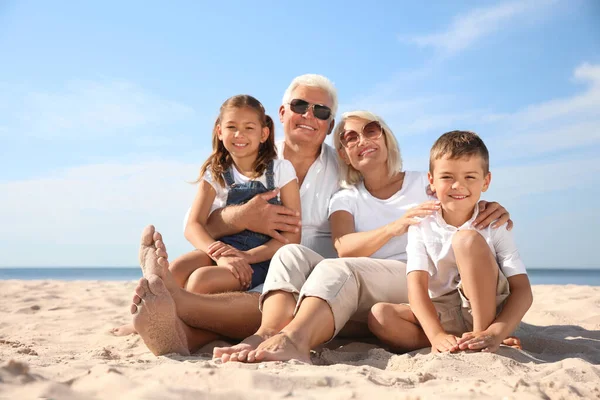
(290, 198)
(349, 243)
(195, 229)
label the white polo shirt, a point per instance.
(371, 213)
(430, 249)
(320, 183)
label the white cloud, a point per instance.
(84, 109)
(466, 29)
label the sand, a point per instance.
(55, 343)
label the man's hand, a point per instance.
(443, 343)
(240, 269)
(270, 219)
(486, 340)
(490, 212)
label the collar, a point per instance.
(469, 224)
(281, 144)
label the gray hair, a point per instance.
(348, 175)
(317, 81)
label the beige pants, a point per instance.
(351, 286)
(454, 309)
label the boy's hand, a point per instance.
(240, 269)
(443, 343)
(486, 340)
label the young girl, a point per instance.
(242, 165)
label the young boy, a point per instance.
(458, 276)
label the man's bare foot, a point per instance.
(154, 258)
(513, 341)
(240, 351)
(123, 330)
(279, 347)
(155, 318)
(153, 254)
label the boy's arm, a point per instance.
(418, 268)
(257, 215)
(290, 198)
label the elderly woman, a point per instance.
(307, 299)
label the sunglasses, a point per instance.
(371, 131)
(302, 106)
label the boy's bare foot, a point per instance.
(155, 318)
(279, 347)
(123, 330)
(513, 341)
(240, 351)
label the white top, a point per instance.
(283, 173)
(371, 213)
(319, 184)
(430, 249)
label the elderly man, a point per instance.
(170, 319)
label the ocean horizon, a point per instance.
(537, 276)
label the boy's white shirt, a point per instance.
(371, 213)
(430, 249)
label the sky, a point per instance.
(106, 108)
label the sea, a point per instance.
(537, 276)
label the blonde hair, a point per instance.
(350, 176)
(220, 160)
(316, 81)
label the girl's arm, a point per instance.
(290, 198)
(195, 231)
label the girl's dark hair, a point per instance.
(220, 159)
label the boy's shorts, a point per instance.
(454, 309)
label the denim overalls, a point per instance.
(240, 193)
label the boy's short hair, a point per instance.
(459, 144)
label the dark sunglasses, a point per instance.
(320, 111)
(372, 130)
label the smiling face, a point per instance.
(458, 183)
(366, 153)
(241, 132)
(305, 128)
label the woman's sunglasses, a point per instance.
(302, 106)
(371, 131)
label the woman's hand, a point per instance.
(400, 226)
(490, 212)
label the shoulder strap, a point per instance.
(228, 176)
(270, 175)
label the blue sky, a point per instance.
(106, 108)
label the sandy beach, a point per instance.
(55, 343)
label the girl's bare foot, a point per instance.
(513, 341)
(123, 330)
(240, 351)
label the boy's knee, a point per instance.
(467, 240)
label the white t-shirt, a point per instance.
(320, 183)
(283, 173)
(371, 213)
(430, 249)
